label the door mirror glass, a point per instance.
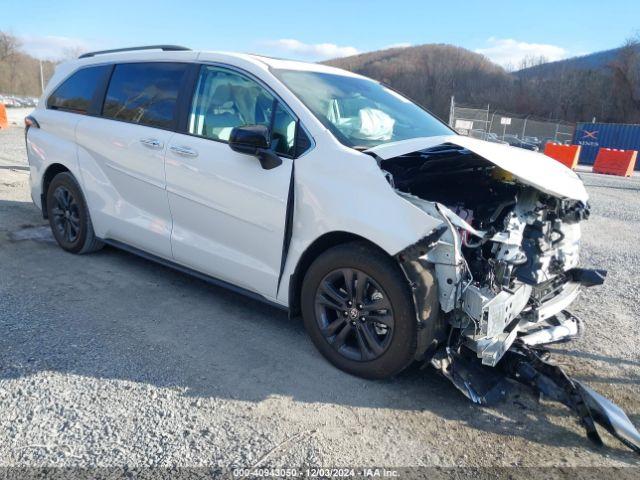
(249, 139)
(255, 140)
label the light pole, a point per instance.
(41, 79)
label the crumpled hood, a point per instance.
(530, 168)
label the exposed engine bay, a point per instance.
(509, 251)
(505, 260)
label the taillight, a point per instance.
(30, 122)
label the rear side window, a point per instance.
(75, 94)
(144, 93)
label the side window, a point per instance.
(303, 142)
(225, 99)
(283, 132)
(144, 93)
(76, 92)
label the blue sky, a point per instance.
(505, 31)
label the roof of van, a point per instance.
(204, 55)
(284, 64)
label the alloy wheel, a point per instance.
(354, 314)
(66, 214)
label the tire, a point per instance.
(369, 349)
(69, 216)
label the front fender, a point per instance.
(349, 194)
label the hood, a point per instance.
(530, 168)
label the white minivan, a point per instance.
(315, 189)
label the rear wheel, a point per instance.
(69, 216)
(358, 311)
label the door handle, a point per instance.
(184, 151)
(151, 142)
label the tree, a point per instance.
(20, 72)
(9, 46)
(626, 79)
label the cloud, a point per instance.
(308, 51)
(509, 52)
(398, 45)
(52, 47)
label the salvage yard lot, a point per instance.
(111, 360)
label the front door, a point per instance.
(228, 212)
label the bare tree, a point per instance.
(9, 46)
(530, 61)
(626, 79)
(20, 72)
(71, 53)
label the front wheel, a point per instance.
(357, 308)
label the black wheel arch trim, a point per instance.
(49, 174)
(414, 270)
(314, 250)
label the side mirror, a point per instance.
(254, 140)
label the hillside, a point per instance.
(605, 85)
(430, 74)
(593, 61)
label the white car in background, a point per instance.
(314, 189)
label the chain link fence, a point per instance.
(501, 127)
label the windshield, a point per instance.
(361, 112)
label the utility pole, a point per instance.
(41, 79)
(486, 123)
(452, 111)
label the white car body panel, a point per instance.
(124, 182)
(229, 213)
(53, 143)
(333, 194)
(531, 168)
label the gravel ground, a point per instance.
(15, 116)
(111, 360)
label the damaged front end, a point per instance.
(505, 263)
(506, 255)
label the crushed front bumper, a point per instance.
(530, 366)
(498, 319)
(503, 345)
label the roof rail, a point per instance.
(164, 48)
